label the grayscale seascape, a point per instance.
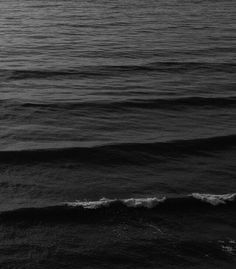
(117, 134)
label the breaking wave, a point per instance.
(213, 199)
(119, 209)
(131, 202)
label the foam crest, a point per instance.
(143, 202)
(131, 202)
(214, 199)
(92, 204)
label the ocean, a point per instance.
(117, 134)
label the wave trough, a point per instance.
(117, 70)
(125, 152)
(152, 103)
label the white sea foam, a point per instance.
(131, 202)
(214, 199)
(228, 249)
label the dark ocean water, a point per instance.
(134, 101)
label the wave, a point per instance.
(112, 70)
(162, 103)
(124, 152)
(120, 209)
(213, 199)
(132, 202)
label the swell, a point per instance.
(123, 153)
(120, 210)
(111, 70)
(164, 103)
